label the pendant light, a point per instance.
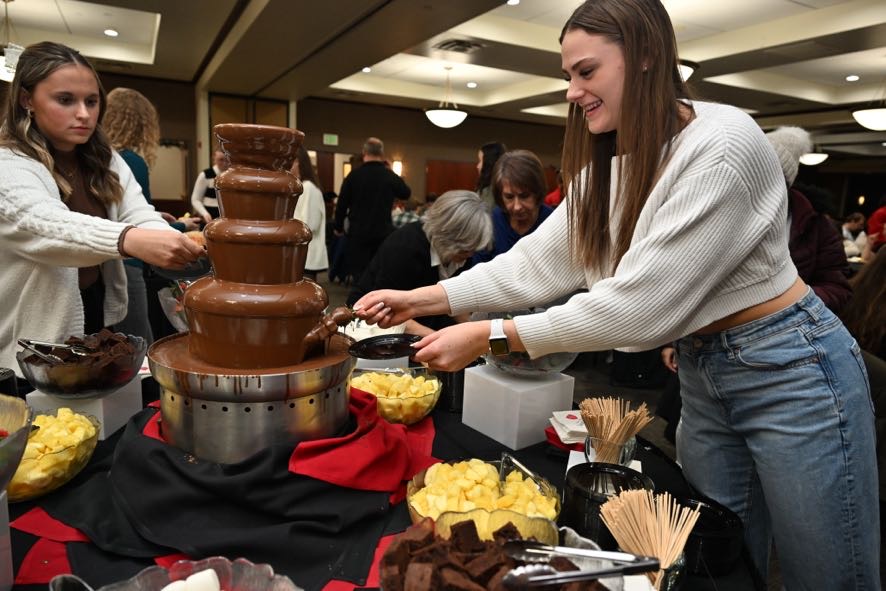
(447, 114)
(874, 117)
(687, 68)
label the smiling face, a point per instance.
(66, 106)
(594, 66)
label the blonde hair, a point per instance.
(131, 123)
(36, 63)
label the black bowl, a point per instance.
(385, 346)
(715, 543)
(199, 268)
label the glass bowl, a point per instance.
(610, 452)
(41, 471)
(407, 409)
(15, 421)
(504, 467)
(74, 381)
(239, 575)
(519, 363)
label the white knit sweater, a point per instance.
(42, 243)
(711, 240)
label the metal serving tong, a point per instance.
(33, 346)
(533, 575)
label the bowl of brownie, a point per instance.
(83, 366)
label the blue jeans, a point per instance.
(778, 425)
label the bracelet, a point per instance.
(120, 241)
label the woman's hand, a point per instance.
(454, 347)
(161, 248)
(669, 358)
(389, 307)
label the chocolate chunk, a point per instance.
(482, 567)
(464, 537)
(506, 533)
(419, 577)
(453, 580)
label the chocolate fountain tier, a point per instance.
(245, 325)
(261, 252)
(226, 415)
(259, 146)
(255, 194)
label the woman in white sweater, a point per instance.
(311, 209)
(70, 209)
(676, 226)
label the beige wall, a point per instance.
(410, 137)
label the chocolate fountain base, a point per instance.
(226, 415)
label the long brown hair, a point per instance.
(865, 316)
(131, 123)
(650, 118)
(305, 167)
(35, 64)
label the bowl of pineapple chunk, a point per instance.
(404, 395)
(482, 491)
(57, 449)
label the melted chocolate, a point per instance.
(256, 311)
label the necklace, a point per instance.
(67, 173)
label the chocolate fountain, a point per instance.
(261, 364)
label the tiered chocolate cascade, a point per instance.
(261, 364)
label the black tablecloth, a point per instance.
(257, 515)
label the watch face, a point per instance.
(499, 346)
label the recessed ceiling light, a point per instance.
(366, 70)
(471, 85)
(111, 32)
(883, 143)
(851, 78)
(513, 2)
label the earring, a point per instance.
(30, 114)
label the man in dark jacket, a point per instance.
(366, 199)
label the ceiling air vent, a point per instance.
(458, 45)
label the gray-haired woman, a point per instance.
(424, 252)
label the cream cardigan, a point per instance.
(711, 240)
(42, 243)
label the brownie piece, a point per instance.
(453, 580)
(483, 566)
(390, 577)
(419, 577)
(561, 563)
(464, 537)
(505, 533)
(494, 583)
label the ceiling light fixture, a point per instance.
(873, 117)
(11, 51)
(513, 2)
(366, 70)
(447, 114)
(111, 32)
(471, 85)
(852, 78)
(813, 158)
(687, 68)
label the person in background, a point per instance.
(814, 244)
(407, 214)
(676, 225)
(423, 252)
(854, 237)
(133, 129)
(70, 208)
(311, 209)
(554, 198)
(876, 231)
(518, 185)
(365, 201)
(487, 156)
(204, 200)
(430, 198)
(865, 316)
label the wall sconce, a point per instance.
(397, 167)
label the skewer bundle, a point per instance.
(649, 525)
(611, 423)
